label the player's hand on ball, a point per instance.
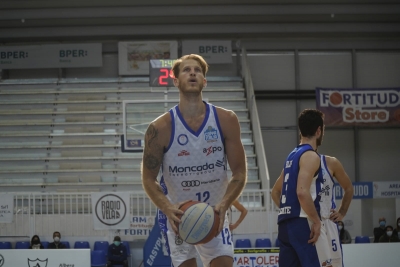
(172, 212)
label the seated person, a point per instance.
(35, 243)
(117, 254)
(379, 231)
(388, 236)
(344, 235)
(396, 230)
(57, 243)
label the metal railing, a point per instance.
(256, 129)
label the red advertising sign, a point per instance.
(363, 107)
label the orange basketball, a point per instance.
(199, 223)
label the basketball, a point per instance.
(199, 223)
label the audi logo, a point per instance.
(192, 183)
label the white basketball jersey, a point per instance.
(327, 201)
(194, 165)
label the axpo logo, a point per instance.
(110, 209)
(192, 183)
(212, 149)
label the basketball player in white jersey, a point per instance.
(192, 144)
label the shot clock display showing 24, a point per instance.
(161, 72)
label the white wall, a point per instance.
(371, 255)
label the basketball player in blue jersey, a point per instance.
(294, 244)
(192, 144)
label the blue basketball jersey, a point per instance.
(289, 202)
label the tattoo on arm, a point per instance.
(151, 161)
(152, 134)
(153, 152)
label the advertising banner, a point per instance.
(362, 190)
(134, 57)
(268, 257)
(6, 208)
(363, 107)
(111, 210)
(45, 257)
(140, 227)
(51, 56)
(387, 189)
(213, 51)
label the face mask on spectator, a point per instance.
(382, 223)
(117, 243)
(56, 239)
(340, 227)
(389, 233)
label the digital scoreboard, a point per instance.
(161, 72)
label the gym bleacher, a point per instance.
(62, 141)
(59, 136)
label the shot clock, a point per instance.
(161, 72)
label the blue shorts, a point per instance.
(295, 250)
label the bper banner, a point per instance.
(6, 208)
(51, 56)
(363, 107)
(111, 210)
(213, 51)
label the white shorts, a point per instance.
(328, 244)
(181, 251)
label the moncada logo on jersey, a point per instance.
(196, 170)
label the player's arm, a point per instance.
(277, 190)
(344, 181)
(309, 165)
(236, 158)
(243, 213)
(155, 141)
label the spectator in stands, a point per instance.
(396, 231)
(35, 243)
(388, 236)
(379, 231)
(345, 237)
(117, 254)
(57, 242)
(243, 213)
